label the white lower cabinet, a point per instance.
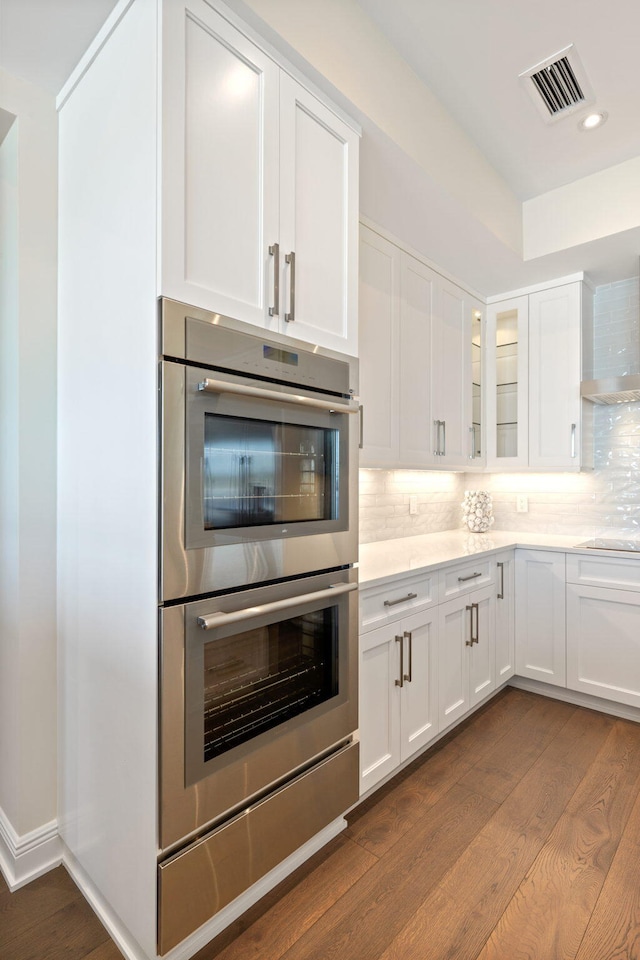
(603, 630)
(603, 643)
(466, 661)
(398, 694)
(505, 616)
(540, 616)
(570, 620)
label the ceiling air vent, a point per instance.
(558, 85)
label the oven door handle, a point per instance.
(218, 618)
(224, 386)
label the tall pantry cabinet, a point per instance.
(193, 164)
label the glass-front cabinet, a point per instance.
(507, 387)
(477, 450)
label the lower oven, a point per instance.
(258, 709)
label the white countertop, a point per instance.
(390, 559)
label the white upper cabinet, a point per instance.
(420, 343)
(507, 384)
(555, 346)
(379, 334)
(318, 221)
(452, 368)
(260, 186)
(534, 358)
(418, 286)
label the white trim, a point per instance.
(133, 951)
(578, 698)
(537, 287)
(397, 242)
(129, 947)
(24, 858)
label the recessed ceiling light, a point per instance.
(592, 121)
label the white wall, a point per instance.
(601, 205)
(28, 213)
(340, 41)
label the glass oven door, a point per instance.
(263, 463)
(256, 685)
(259, 671)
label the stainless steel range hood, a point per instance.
(607, 390)
(612, 389)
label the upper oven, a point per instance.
(259, 441)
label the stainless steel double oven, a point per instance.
(258, 606)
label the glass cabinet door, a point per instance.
(507, 383)
(477, 439)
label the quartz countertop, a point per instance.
(393, 559)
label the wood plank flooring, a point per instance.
(515, 838)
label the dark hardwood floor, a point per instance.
(517, 836)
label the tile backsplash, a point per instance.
(604, 502)
(385, 503)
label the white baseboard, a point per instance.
(128, 946)
(577, 698)
(133, 951)
(23, 858)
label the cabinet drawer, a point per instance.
(458, 580)
(614, 572)
(389, 602)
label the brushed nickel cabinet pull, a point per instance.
(290, 258)
(469, 642)
(573, 439)
(436, 434)
(470, 577)
(476, 638)
(400, 682)
(409, 637)
(500, 594)
(274, 251)
(392, 603)
(361, 440)
(444, 438)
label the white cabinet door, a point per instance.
(466, 645)
(477, 427)
(603, 642)
(451, 376)
(379, 682)
(419, 696)
(507, 384)
(418, 293)
(318, 221)
(259, 187)
(505, 616)
(482, 663)
(554, 378)
(378, 348)
(398, 694)
(540, 616)
(220, 173)
(454, 644)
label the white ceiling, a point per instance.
(42, 40)
(469, 52)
